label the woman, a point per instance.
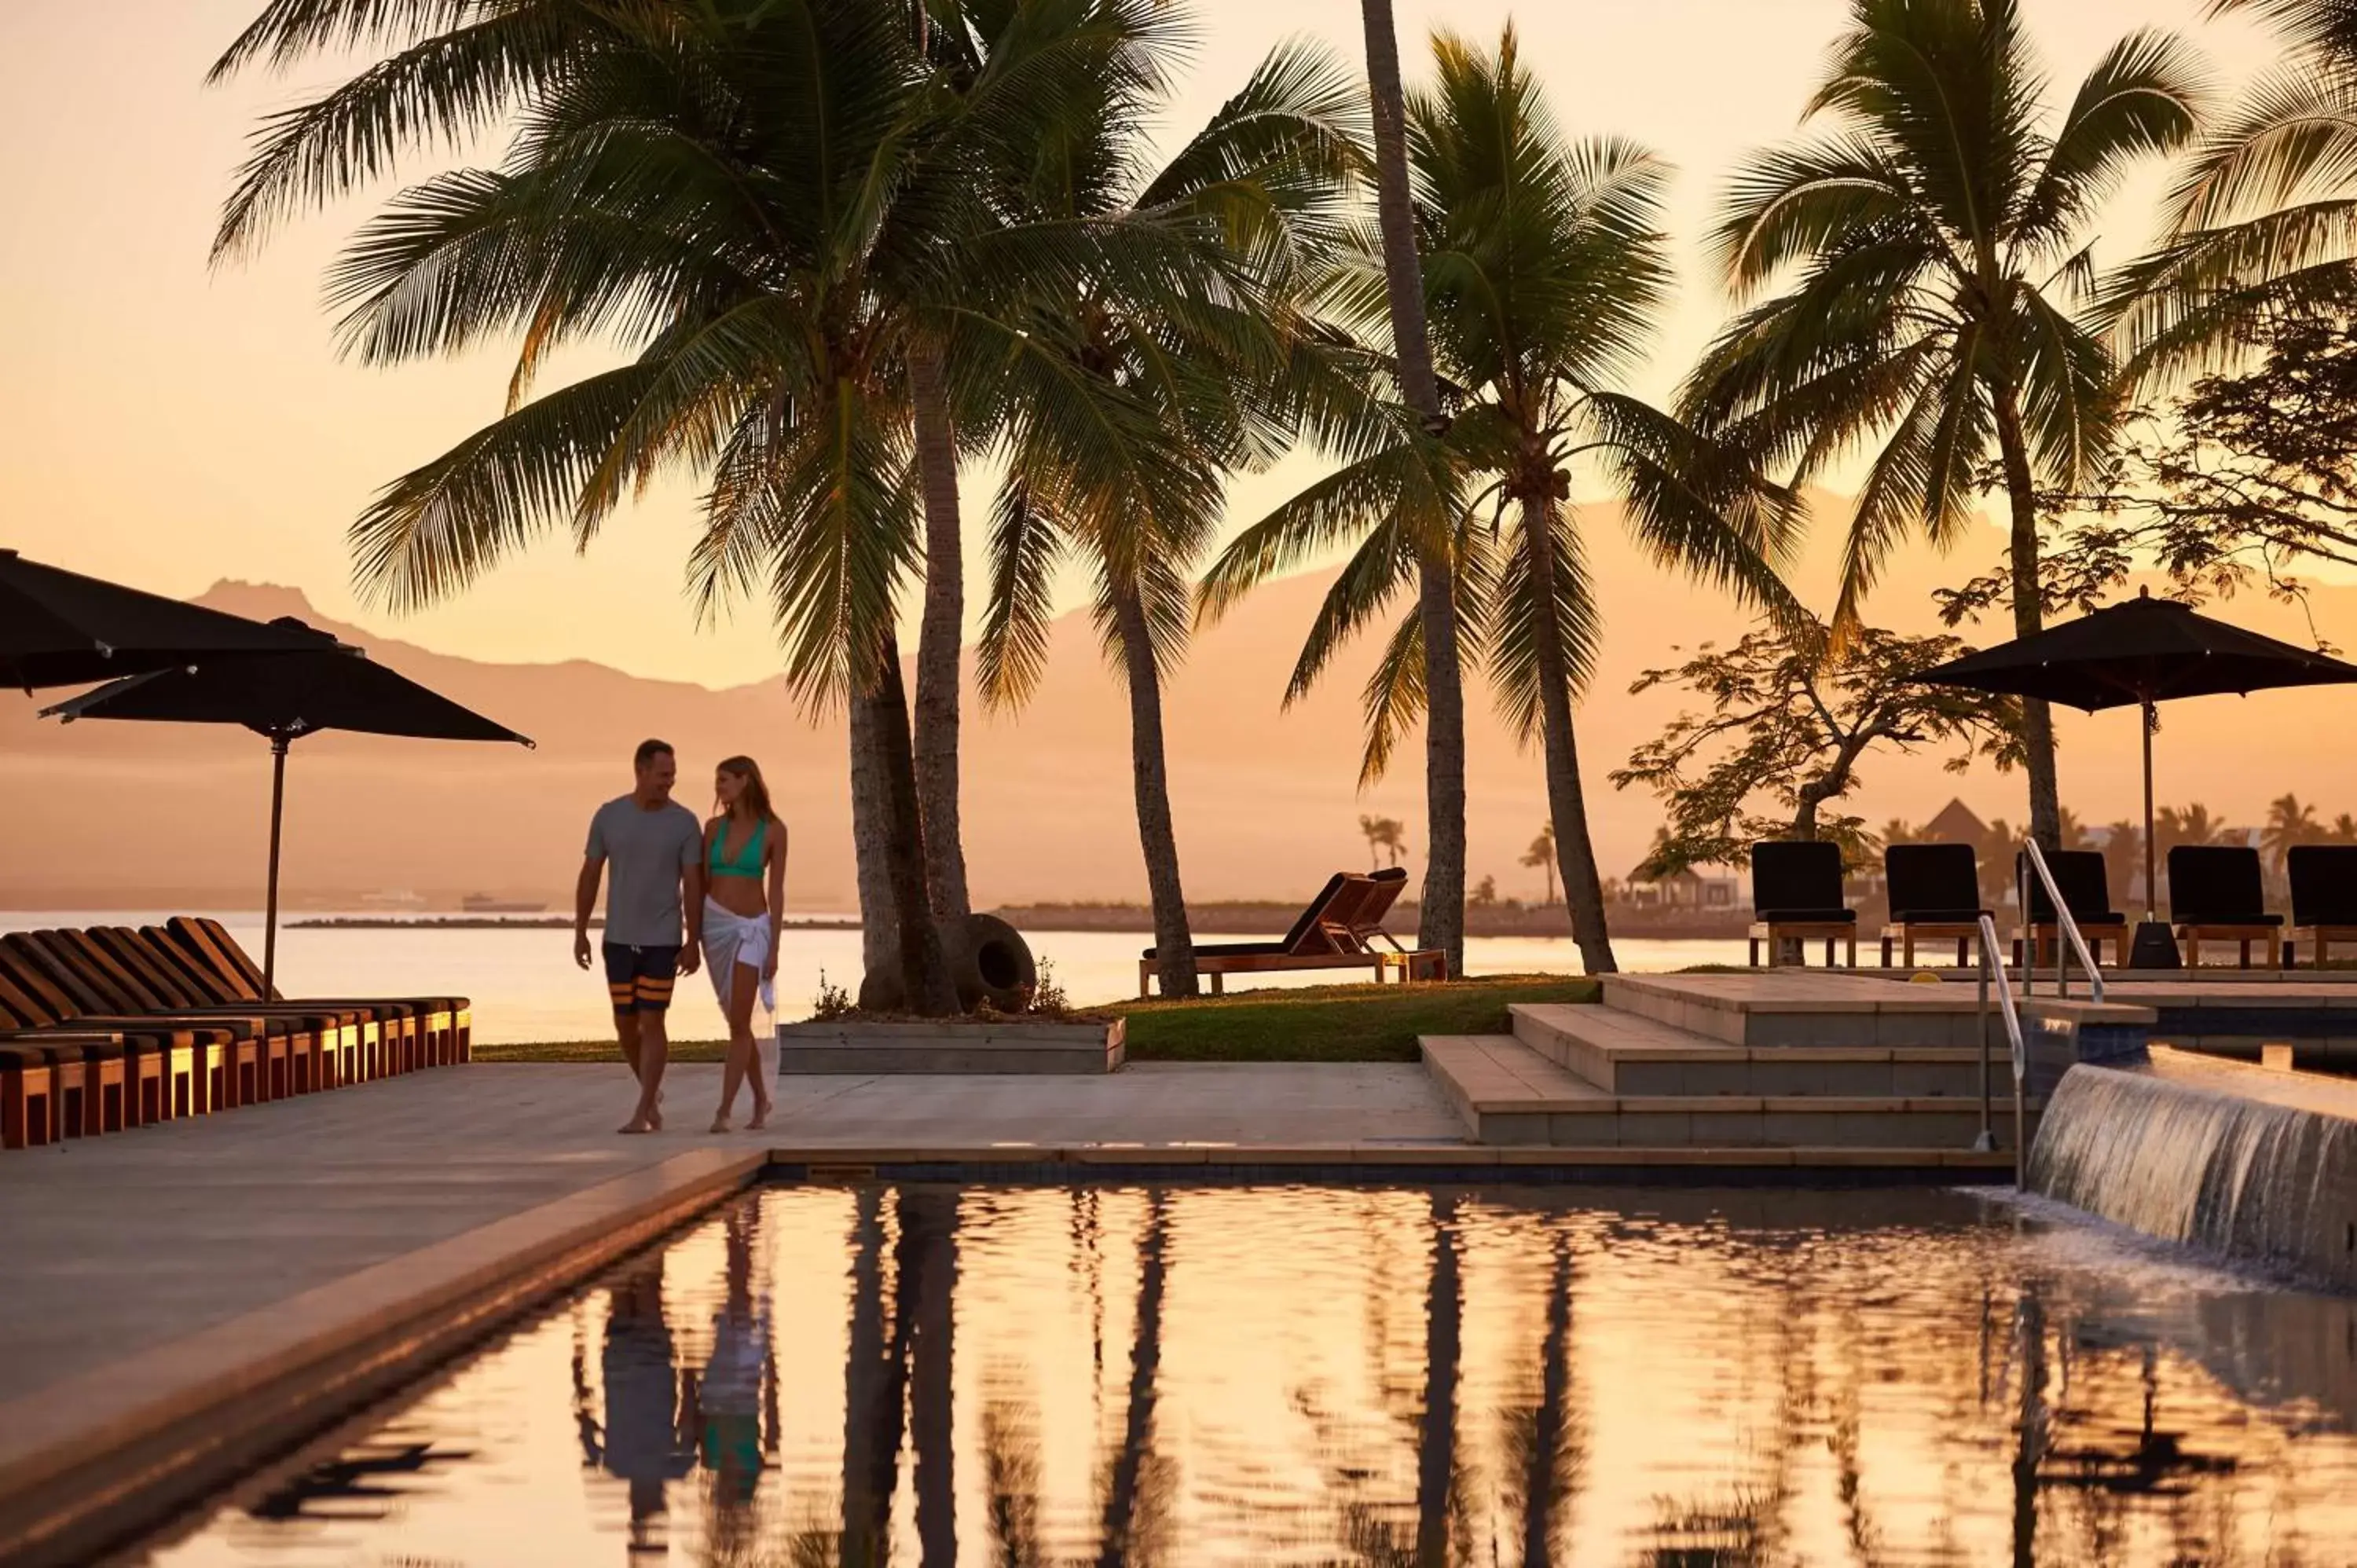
(743, 900)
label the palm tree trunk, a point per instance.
(2029, 617)
(1174, 947)
(940, 638)
(1435, 1438)
(1583, 887)
(924, 973)
(871, 835)
(1145, 1375)
(1441, 912)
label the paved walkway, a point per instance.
(118, 1243)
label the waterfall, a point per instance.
(2235, 1161)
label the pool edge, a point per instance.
(98, 1460)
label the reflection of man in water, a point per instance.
(642, 1443)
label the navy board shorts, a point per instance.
(640, 979)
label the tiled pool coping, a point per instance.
(105, 1457)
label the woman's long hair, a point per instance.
(756, 798)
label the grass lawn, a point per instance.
(1359, 1023)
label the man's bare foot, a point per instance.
(638, 1124)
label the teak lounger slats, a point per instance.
(1339, 929)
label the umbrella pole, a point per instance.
(270, 917)
(2151, 886)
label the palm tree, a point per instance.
(2190, 825)
(2344, 829)
(1269, 172)
(1546, 269)
(1440, 922)
(2261, 215)
(2290, 821)
(1922, 257)
(1541, 856)
(1383, 833)
(668, 190)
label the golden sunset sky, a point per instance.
(170, 424)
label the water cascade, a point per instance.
(2241, 1163)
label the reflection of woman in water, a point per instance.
(743, 900)
(729, 1397)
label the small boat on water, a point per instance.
(392, 898)
(484, 904)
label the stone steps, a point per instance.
(1629, 1052)
(1508, 1094)
(1776, 1009)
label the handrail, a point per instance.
(2069, 926)
(1992, 971)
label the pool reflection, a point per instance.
(931, 1375)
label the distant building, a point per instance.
(1954, 825)
(1689, 889)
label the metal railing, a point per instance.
(2073, 939)
(1993, 978)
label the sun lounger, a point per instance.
(1935, 896)
(2086, 893)
(2216, 893)
(83, 1068)
(2324, 896)
(228, 1052)
(1796, 896)
(164, 1071)
(28, 1095)
(1339, 929)
(337, 1034)
(445, 1029)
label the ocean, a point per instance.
(525, 988)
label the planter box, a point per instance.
(1003, 1045)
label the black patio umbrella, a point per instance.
(2139, 653)
(61, 628)
(284, 697)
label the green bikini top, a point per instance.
(745, 861)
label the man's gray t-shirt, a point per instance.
(644, 853)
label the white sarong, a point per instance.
(731, 939)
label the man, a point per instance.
(656, 848)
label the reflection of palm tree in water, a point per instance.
(913, 1363)
(1549, 1439)
(1127, 1536)
(1435, 1468)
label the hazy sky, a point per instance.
(171, 425)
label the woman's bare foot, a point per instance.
(761, 1117)
(638, 1124)
(720, 1123)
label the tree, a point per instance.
(668, 191)
(1541, 857)
(1484, 894)
(1269, 174)
(1441, 913)
(1922, 259)
(2290, 821)
(1384, 833)
(2192, 824)
(1790, 717)
(2344, 830)
(1547, 268)
(2259, 220)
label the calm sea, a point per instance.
(525, 987)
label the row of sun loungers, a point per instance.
(109, 1028)
(2216, 893)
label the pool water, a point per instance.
(1240, 1375)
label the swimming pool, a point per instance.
(1180, 1375)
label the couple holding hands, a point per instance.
(686, 893)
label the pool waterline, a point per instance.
(1211, 1374)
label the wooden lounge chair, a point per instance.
(1339, 929)
(2216, 893)
(1796, 896)
(2324, 896)
(1935, 896)
(2086, 893)
(163, 1067)
(445, 1025)
(85, 1069)
(28, 1095)
(329, 1037)
(226, 1054)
